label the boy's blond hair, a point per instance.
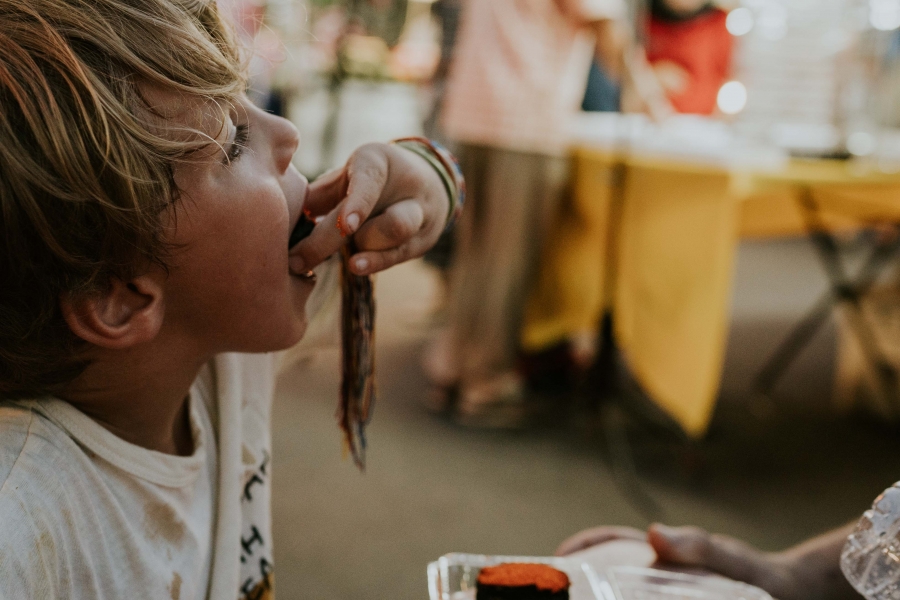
(86, 171)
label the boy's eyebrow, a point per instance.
(204, 121)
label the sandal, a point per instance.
(496, 403)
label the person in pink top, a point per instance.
(518, 76)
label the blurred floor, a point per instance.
(772, 474)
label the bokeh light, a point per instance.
(884, 15)
(732, 98)
(861, 143)
(739, 21)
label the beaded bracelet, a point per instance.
(447, 167)
(437, 165)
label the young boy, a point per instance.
(145, 212)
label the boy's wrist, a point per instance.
(445, 165)
(815, 567)
(436, 170)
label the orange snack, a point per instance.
(523, 580)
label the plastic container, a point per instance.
(453, 576)
(631, 583)
(870, 559)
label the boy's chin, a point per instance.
(281, 339)
(297, 331)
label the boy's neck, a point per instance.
(141, 396)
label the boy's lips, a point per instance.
(301, 230)
(307, 276)
(303, 225)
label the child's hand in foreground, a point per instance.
(808, 571)
(390, 199)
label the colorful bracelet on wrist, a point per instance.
(432, 160)
(445, 165)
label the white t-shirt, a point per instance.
(85, 515)
(519, 71)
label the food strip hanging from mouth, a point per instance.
(358, 349)
(358, 358)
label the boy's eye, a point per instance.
(239, 143)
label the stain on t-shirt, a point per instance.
(161, 521)
(175, 588)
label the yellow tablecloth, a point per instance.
(667, 268)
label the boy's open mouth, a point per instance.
(301, 231)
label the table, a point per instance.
(655, 240)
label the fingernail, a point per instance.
(352, 221)
(362, 264)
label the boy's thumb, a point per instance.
(694, 547)
(689, 546)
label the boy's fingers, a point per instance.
(598, 535)
(366, 263)
(694, 547)
(395, 228)
(367, 174)
(326, 192)
(682, 546)
(398, 224)
(326, 239)
(358, 185)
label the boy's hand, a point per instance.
(695, 548)
(806, 572)
(599, 535)
(389, 199)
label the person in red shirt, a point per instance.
(690, 50)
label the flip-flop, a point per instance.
(495, 404)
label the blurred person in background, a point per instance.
(447, 13)
(688, 54)
(518, 76)
(690, 50)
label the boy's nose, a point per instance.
(289, 141)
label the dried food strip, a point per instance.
(358, 358)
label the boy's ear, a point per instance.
(128, 313)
